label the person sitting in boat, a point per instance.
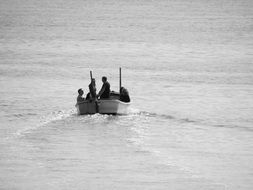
(92, 88)
(124, 95)
(80, 96)
(104, 93)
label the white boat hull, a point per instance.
(103, 107)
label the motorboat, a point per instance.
(104, 106)
(112, 105)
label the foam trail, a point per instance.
(133, 110)
(56, 115)
(44, 120)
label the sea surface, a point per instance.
(187, 64)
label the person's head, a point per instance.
(93, 81)
(80, 91)
(121, 89)
(126, 91)
(104, 79)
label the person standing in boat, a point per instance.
(104, 93)
(92, 89)
(80, 96)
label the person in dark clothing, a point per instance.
(88, 96)
(92, 88)
(105, 90)
(124, 95)
(79, 97)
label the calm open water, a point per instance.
(188, 68)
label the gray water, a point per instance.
(188, 68)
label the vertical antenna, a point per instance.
(119, 79)
(90, 75)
